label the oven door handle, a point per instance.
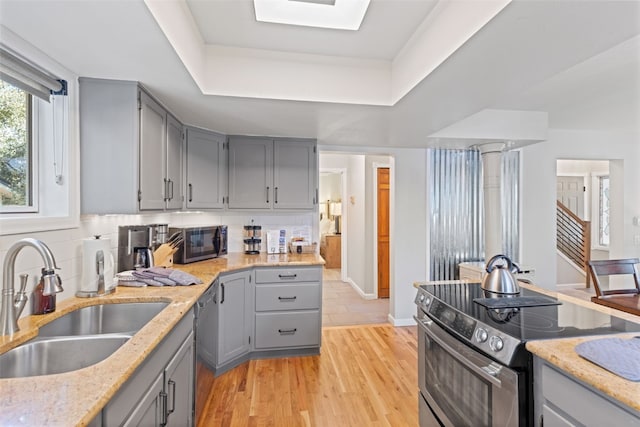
(486, 372)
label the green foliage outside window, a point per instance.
(15, 158)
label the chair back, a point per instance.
(612, 267)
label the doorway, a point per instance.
(583, 189)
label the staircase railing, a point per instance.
(573, 238)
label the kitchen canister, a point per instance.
(98, 268)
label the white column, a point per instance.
(491, 177)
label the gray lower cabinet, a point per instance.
(266, 173)
(288, 303)
(563, 400)
(161, 391)
(234, 316)
(206, 166)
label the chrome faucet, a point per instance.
(12, 306)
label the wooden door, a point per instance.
(383, 232)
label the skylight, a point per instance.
(335, 14)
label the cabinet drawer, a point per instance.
(286, 275)
(288, 329)
(302, 296)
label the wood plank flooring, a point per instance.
(365, 376)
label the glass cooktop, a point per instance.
(530, 323)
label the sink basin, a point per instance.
(103, 319)
(58, 355)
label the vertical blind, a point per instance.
(456, 209)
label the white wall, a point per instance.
(539, 193)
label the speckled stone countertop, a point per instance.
(76, 398)
(561, 352)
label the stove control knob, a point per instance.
(481, 335)
(496, 343)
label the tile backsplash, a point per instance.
(66, 245)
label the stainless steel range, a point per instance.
(473, 368)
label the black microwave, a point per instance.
(200, 243)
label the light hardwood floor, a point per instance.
(365, 376)
(342, 305)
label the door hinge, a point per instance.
(139, 195)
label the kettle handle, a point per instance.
(495, 258)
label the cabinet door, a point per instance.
(206, 170)
(233, 324)
(179, 386)
(294, 174)
(175, 150)
(149, 410)
(250, 173)
(153, 134)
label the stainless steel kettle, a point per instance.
(499, 278)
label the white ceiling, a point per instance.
(399, 18)
(576, 60)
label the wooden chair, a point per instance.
(611, 267)
(627, 299)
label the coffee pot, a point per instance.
(499, 278)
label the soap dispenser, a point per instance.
(42, 304)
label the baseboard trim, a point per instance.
(401, 322)
(359, 291)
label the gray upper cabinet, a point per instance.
(267, 173)
(206, 169)
(294, 174)
(153, 156)
(174, 192)
(130, 149)
(250, 173)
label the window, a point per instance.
(603, 208)
(17, 160)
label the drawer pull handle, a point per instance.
(293, 298)
(287, 276)
(287, 331)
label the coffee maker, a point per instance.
(136, 244)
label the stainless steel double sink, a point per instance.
(78, 339)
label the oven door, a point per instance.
(460, 385)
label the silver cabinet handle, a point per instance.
(172, 390)
(190, 192)
(171, 182)
(287, 331)
(165, 196)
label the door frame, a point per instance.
(343, 220)
(374, 173)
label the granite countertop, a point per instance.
(561, 352)
(76, 398)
